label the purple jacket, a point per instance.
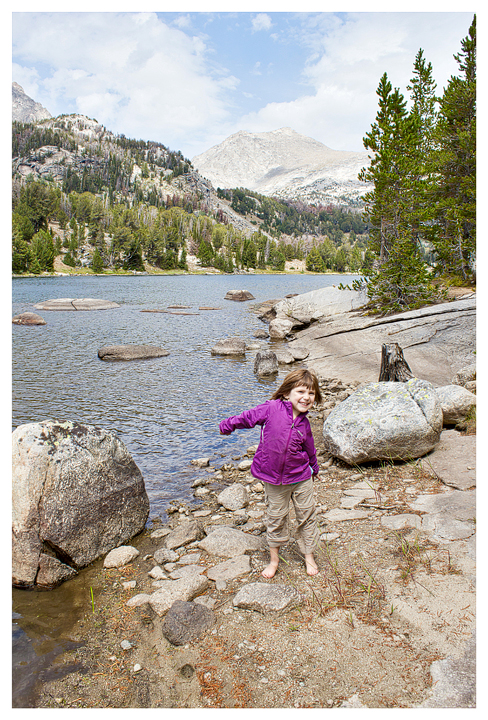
(286, 449)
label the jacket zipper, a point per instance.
(286, 450)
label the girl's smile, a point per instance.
(302, 398)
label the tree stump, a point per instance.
(394, 367)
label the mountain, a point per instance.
(284, 164)
(113, 202)
(24, 108)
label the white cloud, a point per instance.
(346, 61)
(132, 72)
(262, 21)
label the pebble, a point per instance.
(125, 645)
(157, 573)
(137, 667)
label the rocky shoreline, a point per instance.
(387, 623)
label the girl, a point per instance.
(285, 454)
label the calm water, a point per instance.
(165, 410)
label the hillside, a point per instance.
(285, 164)
(107, 201)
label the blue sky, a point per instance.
(190, 79)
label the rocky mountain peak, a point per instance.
(24, 108)
(284, 163)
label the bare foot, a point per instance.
(310, 565)
(270, 570)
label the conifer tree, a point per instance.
(453, 233)
(394, 206)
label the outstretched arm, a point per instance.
(246, 420)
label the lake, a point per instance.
(165, 410)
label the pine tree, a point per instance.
(97, 262)
(453, 233)
(394, 206)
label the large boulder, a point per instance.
(315, 304)
(301, 310)
(385, 421)
(280, 327)
(76, 304)
(131, 352)
(77, 494)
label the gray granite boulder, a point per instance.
(239, 295)
(456, 403)
(228, 542)
(76, 304)
(76, 491)
(234, 497)
(465, 375)
(187, 588)
(230, 569)
(229, 346)
(265, 363)
(188, 531)
(120, 557)
(299, 352)
(266, 597)
(131, 352)
(280, 327)
(385, 421)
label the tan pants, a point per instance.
(278, 507)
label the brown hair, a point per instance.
(302, 376)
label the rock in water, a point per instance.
(76, 304)
(28, 318)
(131, 352)
(77, 494)
(266, 363)
(239, 295)
(229, 346)
(385, 421)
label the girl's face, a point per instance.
(302, 398)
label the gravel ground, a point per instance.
(385, 606)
